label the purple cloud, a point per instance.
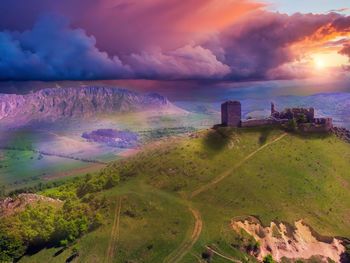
(154, 39)
(188, 62)
(261, 43)
(54, 51)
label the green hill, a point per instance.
(178, 197)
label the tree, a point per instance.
(64, 243)
(292, 125)
(268, 259)
(347, 251)
(302, 118)
(75, 250)
(98, 221)
(11, 247)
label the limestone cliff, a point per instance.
(81, 102)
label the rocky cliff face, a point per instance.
(59, 103)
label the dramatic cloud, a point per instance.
(52, 50)
(255, 46)
(157, 39)
(188, 62)
(345, 50)
(127, 26)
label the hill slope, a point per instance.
(177, 200)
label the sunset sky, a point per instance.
(231, 40)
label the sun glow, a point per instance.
(319, 63)
(330, 59)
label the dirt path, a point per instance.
(86, 169)
(185, 248)
(228, 172)
(221, 255)
(114, 234)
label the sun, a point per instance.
(319, 63)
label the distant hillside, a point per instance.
(80, 102)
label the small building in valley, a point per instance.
(231, 112)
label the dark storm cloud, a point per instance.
(52, 50)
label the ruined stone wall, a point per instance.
(263, 122)
(231, 112)
(326, 122)
(319, 125)
(295, 113)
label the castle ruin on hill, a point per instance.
(231, 116)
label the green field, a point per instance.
(21, 166)
(176, 198)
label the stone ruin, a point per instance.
(231, 113)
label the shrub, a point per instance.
(97, 221)
(64, 243)
(207, 255)
(292, 125)
(347, 251)
(103, 180)
(268, 259)
(10, 247)
(302, 118)
(75, 250)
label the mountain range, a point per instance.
(68, 103)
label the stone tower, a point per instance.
(273, 108)
(231, 112)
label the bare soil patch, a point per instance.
(279, 241)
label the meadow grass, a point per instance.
(299, 176)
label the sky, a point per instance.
(202, 40)
(309, 6)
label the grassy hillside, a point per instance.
(176, 198)
(22, 166)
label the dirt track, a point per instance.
(114, 234)
(221, 255)
(228, 172)
(183, 250)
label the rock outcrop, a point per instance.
(11, 205)
(299, 242)
(342, 133)
(81, 102)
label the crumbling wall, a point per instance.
(295, 113)
(263, 122)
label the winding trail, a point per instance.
(114, 234)
(221, 255)
(185, 248)
(178, 254)
(229, 171)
